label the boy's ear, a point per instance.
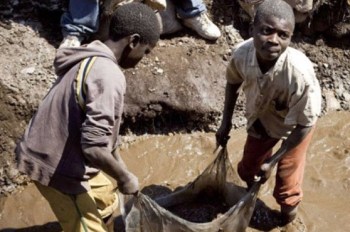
(134, 40)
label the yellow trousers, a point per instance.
(83, 212)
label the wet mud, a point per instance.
(207, 206)
(164, 163)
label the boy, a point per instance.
(283, 102)
(69, 142)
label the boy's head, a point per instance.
(273, 28)
(138, 23)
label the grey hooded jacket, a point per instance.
(50, 151)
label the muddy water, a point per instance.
(174, 160)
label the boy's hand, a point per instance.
(222, 136)
(265, 172)
(128, 183)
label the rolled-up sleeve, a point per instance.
(232, 75)
(305, 101)
(102, 97)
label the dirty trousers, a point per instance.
(83, 212)
(290, 169)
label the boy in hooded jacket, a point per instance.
(67, 145)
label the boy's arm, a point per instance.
(103, 103)
(295, 138)
(101, 158)
(231, 95)
(234, 81)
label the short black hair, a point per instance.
(277, 8)
(135, 18)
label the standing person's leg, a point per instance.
(255, 153)
(168, 20)
(290, 172)
(190, 8)
(75, 213)
(79, 22)
(193, 14)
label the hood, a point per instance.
(66, 58)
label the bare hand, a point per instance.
(128, 183)
(265, 172)
(222, 136)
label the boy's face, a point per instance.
(272, 36)
(133, 54)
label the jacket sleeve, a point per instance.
(104, 101)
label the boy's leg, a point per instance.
(255, 152)
(190, 8)
(104, 194)
(75, 213)
(289, 177)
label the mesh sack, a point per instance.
(218, 180)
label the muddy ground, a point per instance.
(326, 182)
(29, 38)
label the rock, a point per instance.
(13, 172)
(232, 34)
(192, 88)
(29, 70)
(331, 102)
(346, 96)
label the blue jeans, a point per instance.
(189, 8)
(81, 19)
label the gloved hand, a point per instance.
(222, 136)
(128, 183)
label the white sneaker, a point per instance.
(203, 26)
(70, 41)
